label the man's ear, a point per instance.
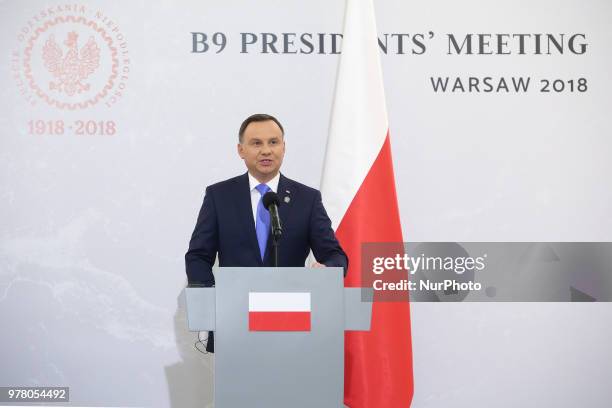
(239, 150)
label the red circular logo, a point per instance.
(71, 58)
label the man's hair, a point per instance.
(258, 117)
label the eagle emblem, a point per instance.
(72, 69)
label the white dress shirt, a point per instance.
(255, 196)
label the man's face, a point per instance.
(262, 149)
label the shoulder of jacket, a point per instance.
(303, 188)
(225, 184)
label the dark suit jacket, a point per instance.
(226, 228)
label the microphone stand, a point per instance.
(275, 238)
(277, 229)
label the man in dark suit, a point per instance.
(234, 225)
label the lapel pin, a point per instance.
(287, 199)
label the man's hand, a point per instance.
(317, 265)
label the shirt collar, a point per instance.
(273, 184)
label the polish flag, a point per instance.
(358, 189)
(279, 311)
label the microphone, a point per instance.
(271, 203)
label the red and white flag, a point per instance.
(279, 311)
(358, 190)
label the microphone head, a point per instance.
(270, 198)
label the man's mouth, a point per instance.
(265, 162)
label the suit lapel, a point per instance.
(285, 192)
(245, 213)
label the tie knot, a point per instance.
(263, 188)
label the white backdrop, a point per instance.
(94, 227)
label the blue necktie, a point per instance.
(262, 223)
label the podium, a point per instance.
(279, 334)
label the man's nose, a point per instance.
(266, 149)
